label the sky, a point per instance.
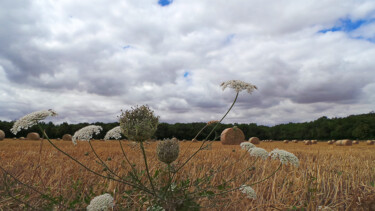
(88, 60)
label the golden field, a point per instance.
(339, 177)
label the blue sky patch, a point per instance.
(186, 74)
(164, 3)
(126, 47)
(346, 25)
(229, 38)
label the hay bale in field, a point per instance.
(286, 141)
(22, 138)
(194, 140)
(329, 142)
(295, 141)
(33, 136)
(355, 142)
(307, 142)
(2, 135)
(254, 140)
(314, 141)
(232, 136)
(369, 142)
(339, 143)
(346, 142)
(67, 137)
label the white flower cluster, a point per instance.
(31, 120)
(155, 208)
(258, 152)
(238, 86)
(86, 133)
(249, 191)
(113, 133)
(246, 145)
(101, 203)
(284, 157)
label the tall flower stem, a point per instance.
(204, 141)
(147, 170)
(88, 169)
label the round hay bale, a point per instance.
(307, 142)
(314, 141)
(67, 137)
(346, 142)
(369, 142)
(232, 136)
(286, 141)
(194, 140)
(355, 142)
(339, 143)
(254, 140)
(22, 138)
(330, 142)
(2, 135)
(295, 141)
(33, 136)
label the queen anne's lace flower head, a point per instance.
(86, 133)
(168, 150)
(238, 86)
(258, 152)
(284, 157)
(101, 203)
(246, 145)
(249, 191)
(31, 120)
(113, 133)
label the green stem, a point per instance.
(230, 108)
(147, 170)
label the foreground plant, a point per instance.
(165, 187)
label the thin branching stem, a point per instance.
(147, 170)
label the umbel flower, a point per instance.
(258, 152)
(168, 150)
(284, 157)
(249, 191)
(246, 145)
(139, 123)
(86, 133)
(113, 133)
(31, 120)
(101, 203)
(239, 86)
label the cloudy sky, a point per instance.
(89, 59)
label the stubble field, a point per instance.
(339, 177)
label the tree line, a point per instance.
(358, 127)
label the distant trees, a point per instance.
(352, 127)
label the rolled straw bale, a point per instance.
(295, 141)
(369, 142)
(194, 140)
(232, 136)
(346, 142)
(355, 142)
(67, 137)
(286, 141)
(33, 136)
(307, 142)
(339, 143)
(22, 138)
(330, 142)
(314, 141)
(2, 135)
(254, 140)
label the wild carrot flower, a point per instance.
(101, 203)
(247, 145)
(239, 86)
(168, 150)
(249, 191)
(284, 157)
(31, 119)
(258, 152)
(139, 123)
(86, 133)
(113, 133)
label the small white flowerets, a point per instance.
(284, 157)
(258, 152)
(86, 133)
(113, 133)
(239, 86)
(247, 145)
(249, 191)
(31, 120)
(101, 203)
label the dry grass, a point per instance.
(338, 177)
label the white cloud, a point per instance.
(89, 59)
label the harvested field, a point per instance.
(341, 178)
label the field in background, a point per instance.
(340, 177)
